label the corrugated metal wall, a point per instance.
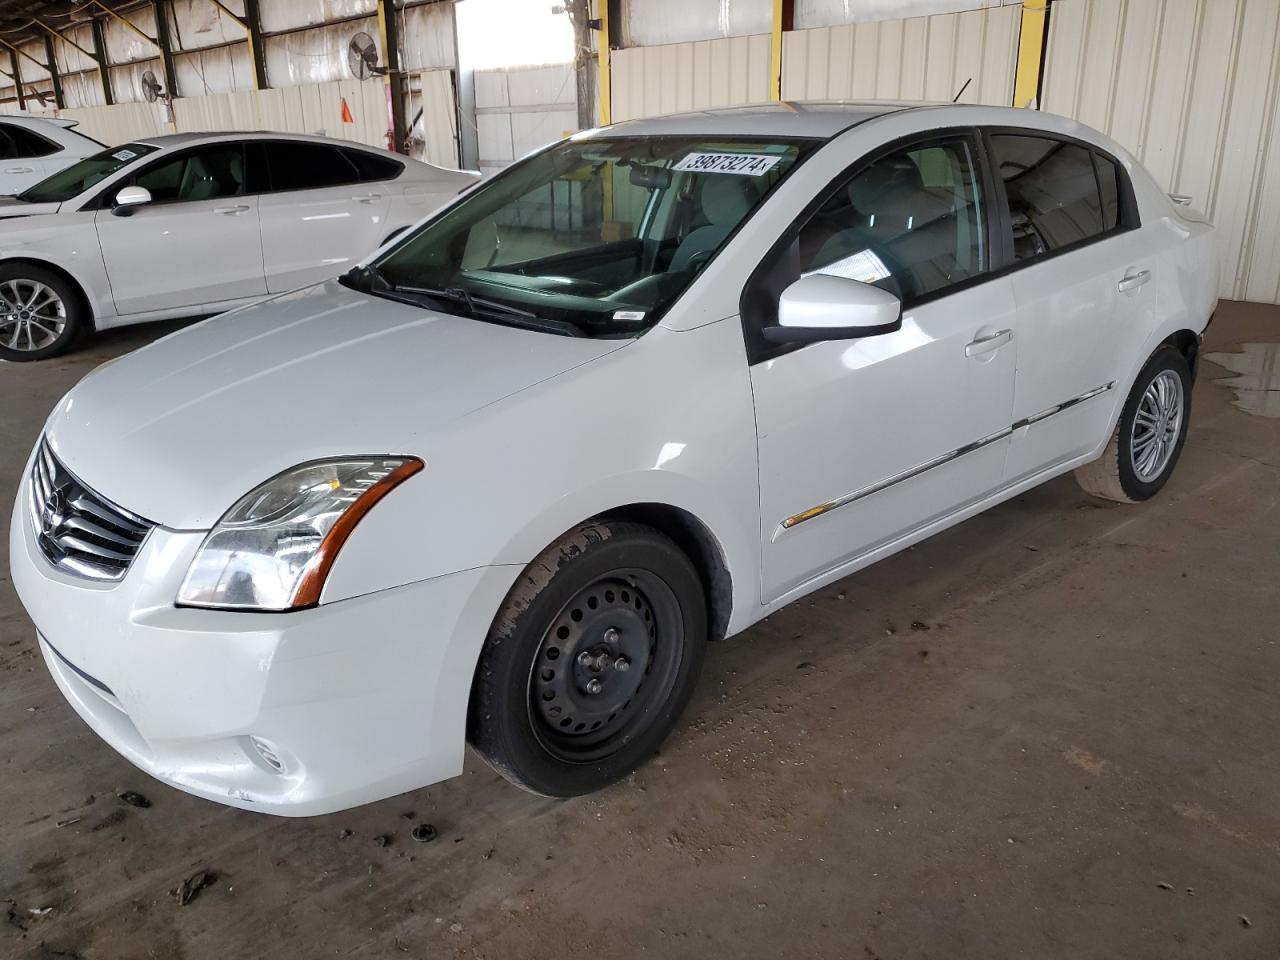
(648, 81)
(1190, 87)
(921, 58)
(308, 108)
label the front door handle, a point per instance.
(977, 348)
(20, 170)
(1132, 281)
(231, 211)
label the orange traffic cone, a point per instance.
(346, 112)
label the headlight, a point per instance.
(274, 548)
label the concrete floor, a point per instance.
(1050, 732)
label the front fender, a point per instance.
(668, 420)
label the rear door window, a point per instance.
(308, 166)
(28, 144)
(1053, 194)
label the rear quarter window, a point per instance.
(372, 167)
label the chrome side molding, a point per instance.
(945, 458)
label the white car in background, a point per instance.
(31, 148)
(504, 480)
(191, 224)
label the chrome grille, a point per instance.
(77, 530)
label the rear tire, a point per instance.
(1149, 437)
(40, 313)
(591, 660)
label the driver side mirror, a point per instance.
(825, 307)
(130, 198)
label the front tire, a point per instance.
(591, 660)
(40, 313)
(1149, 437)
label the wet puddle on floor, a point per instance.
(1257, 377)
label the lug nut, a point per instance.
(594, 686)
(611, 635)
(585, 659)
(622, 664)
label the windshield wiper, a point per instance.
(369, 279)
(478, 308)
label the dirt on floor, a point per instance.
(1052, 731)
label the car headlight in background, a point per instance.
(274, 548)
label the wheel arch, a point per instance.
(1187, 343)
(62, 273)
(701, 546)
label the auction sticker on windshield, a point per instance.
(746, 164)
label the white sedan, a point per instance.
(503, 482)
(191, 224)
(31, 148)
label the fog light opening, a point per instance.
(268, 753)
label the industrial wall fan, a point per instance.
(362, 57)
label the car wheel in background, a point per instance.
(1148, 439)
(590, 661)
(40, 313)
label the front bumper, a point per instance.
(355, 701)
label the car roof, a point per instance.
(821, 119)
(171, 140)
(27, 120)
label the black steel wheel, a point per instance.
(591, 661)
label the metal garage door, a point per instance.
(1190, 86)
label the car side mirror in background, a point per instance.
(129, 199)
(825, 307)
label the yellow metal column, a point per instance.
(782, 13)
(603, 88)
(1026, 84)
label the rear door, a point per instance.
(26, 158)
(320, 217)
(196, 243)
(1081, 283)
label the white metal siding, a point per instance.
(309, 108)
(922, 58)
(521, 109)
(1190, 87)
(651, 81)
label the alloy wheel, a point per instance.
(32, 315)
(1156, 426)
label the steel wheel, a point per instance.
(33, 316)
(1156, 426)
(609, 657)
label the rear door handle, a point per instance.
(977, 348)
(20, 170)
(1132, 281)
(368, 198)
(231, 211)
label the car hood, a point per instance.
(13, 207)
(181, 429)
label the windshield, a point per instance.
(79, 177)
(594, 237)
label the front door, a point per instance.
(1080, 283)
(196, 243)
(863, 442)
